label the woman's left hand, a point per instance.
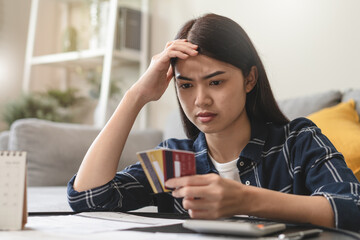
(208, 196)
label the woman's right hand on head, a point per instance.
(155, 80)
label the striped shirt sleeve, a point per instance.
(326, 174)
(131, 182)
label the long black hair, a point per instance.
(223, 39)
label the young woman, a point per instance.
(250, 158)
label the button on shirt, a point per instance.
(293, 158)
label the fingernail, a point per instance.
(168, 185)
(190, 213)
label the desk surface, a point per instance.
(53, 199)
(47, 199)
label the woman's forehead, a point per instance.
(201, 65)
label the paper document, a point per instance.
(129, 218)
(94, 222)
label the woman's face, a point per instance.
(212, 93)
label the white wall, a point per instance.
(307, 46)
(14, 16)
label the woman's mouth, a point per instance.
(206, 117)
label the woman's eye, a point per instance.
(215, 83)
(185, 85)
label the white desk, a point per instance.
(43, 200)
(47, 199)
(53, 199)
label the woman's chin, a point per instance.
(207, 129)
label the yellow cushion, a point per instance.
(341, 125)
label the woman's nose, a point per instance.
(203, 98)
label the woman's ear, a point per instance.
(251, 79)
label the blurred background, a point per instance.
(306, 46)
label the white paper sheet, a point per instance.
(129, 218)
(94, 222)
(112, 235)
(76, 224)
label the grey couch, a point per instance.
(55, 150)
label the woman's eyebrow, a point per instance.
(213, 74)
(178, 76)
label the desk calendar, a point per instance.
(13, 210)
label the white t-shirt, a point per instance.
(227, 170)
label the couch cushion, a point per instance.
(303, 106)
(55, 150)
(352, 94)
(4, 140)
(341, 125)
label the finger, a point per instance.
(177, 51)
(185, 43)
(216, 207)
(167, 55)
(175, 41)
(202, 214)
(162, 61)
(176, 54)
(191, 192)
(180, 41)
(197, 204)
(194, 180)
(169, 74)
(185, 48)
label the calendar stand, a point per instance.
(13, 197)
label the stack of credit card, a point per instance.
(162, 164)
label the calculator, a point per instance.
(241, 227)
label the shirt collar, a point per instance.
(203, 164)
(254, 148)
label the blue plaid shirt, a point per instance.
(293, 158)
